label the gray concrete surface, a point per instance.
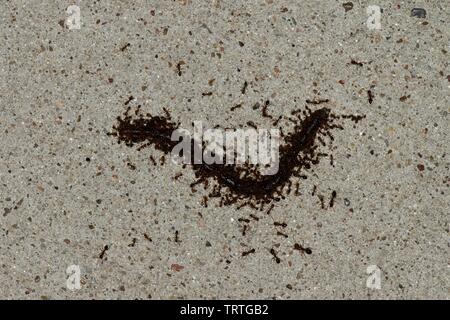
(61, 90)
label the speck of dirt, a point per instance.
(404, 98)
(176, 267)
(6, 211)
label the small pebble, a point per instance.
(418, 13)
(346, 202)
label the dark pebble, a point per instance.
(418, 13)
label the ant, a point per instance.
(102, 254)
(274, 254)
(270, 209)
(244, 230)
(301, 249)
(279, 233)
(333, 197)
(280, 224)
(248, 252)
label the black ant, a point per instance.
(279, 233)
(333, 197)
(274, 254)
(102, 254)
(248, 252)
(244, 230)
(280, 224)
(301, 249)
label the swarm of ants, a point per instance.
(243, 185)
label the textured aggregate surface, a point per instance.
(70, 195)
